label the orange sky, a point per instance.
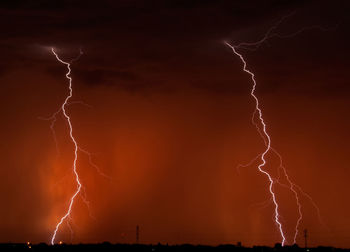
(169, 122)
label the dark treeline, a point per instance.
(160, 247)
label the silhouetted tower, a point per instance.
(305, 236)
(137, 234)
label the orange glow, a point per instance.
(169, 120)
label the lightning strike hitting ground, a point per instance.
(261, 129)
(291, 186)
(53, 119)
(76, 147)
(268, 141)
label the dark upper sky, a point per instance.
(169, 119)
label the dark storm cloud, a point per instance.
(130, 39)
(101, 76)
(4, 69)
(95, 76)
(164, 19)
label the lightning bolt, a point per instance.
(268, 142)
(76, 147)
(262, 130)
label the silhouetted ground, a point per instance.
(153, 248)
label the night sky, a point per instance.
(167, 117)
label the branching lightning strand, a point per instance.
(265, 136)
(76, 148)
(263, 161)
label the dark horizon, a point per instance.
(107, 246)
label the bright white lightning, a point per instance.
(264, 135)
(76, 148)
(291, 186)
(268, 143)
